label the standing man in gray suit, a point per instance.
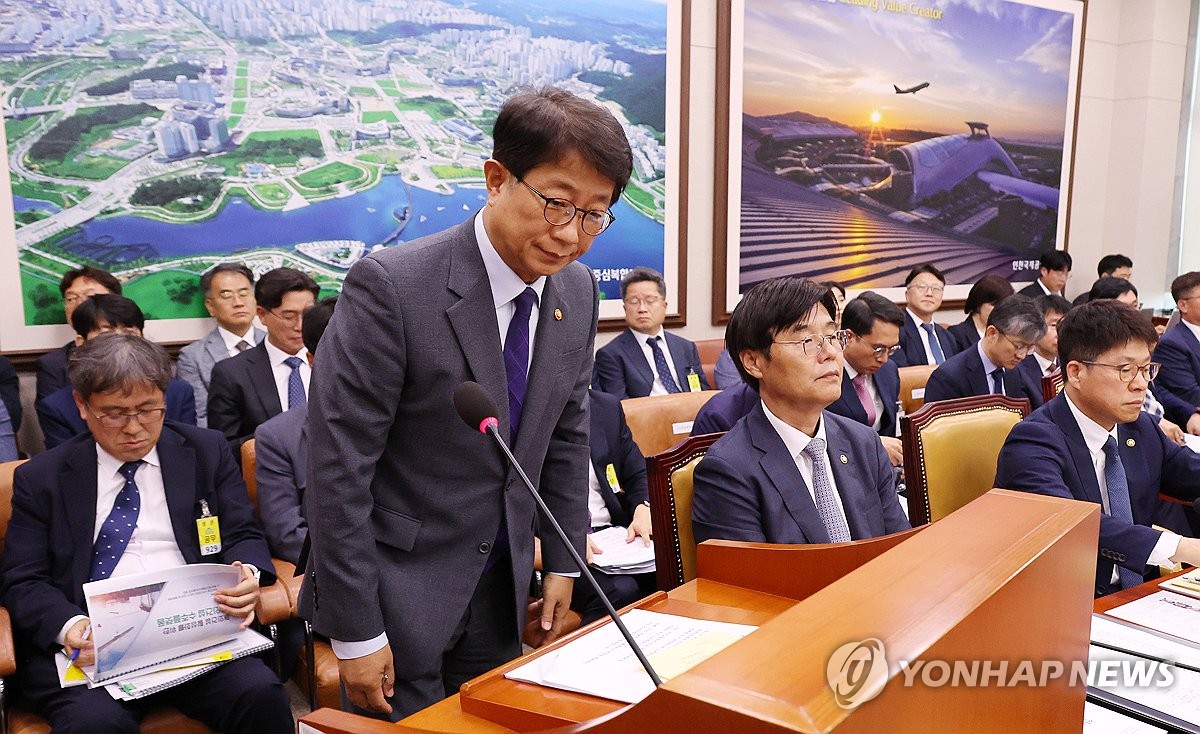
(422, 540)
(229, 297)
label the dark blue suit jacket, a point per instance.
(912, 349)
(964, 332)
(612, 443)
(962, 376)
(621, 368)
(1178, 384)
(48, 548)
(724, 409)
(1046, 454)
(749, 488)
(59, 416)
(1031, 374)
(887, 384)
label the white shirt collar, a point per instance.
(1094, 434)
(1045, 290)
(1043, 363)
(917, 319)
(506, 285)
(988, 365)
(109, 466)
(1192, 328)
(795, 439)
(231, 340)
(641, 338)
(277, 355)
(850, 371)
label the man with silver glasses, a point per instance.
(791, 471)
(1094, 443)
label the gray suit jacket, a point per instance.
(407, 499)
(280, 468)
(196, 362)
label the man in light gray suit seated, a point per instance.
(229, 297)
(281, 458)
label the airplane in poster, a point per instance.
(910, 90)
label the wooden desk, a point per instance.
(1020, 588)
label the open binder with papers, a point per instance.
(158, 629)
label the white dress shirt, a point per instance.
(283, 373)
(1095, 436)
(796, 440)
(231, 340)
(925, 337)
(988, 368)
(657, 388)
(152, 547)
(1047, 366)
(597, 510)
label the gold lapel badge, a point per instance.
(558, 314)
(1130, 442)
(843, 459)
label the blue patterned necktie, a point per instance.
(661, 366)
(296, 394)
(118, 526)
(826, 500)
(998, 380)
(934, 345)
(1118, 502)
(516, 357)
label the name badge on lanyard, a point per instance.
(208, 528)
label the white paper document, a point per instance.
(1180, 699)
(1166, 612)
(142, 621)
(600, 663)
(1099, 720)
(620, 557)
(1192, 442)
(1114, 633)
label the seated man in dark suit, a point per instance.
(58, 413)
(1054, 269)
(76, 287)
(921, 340)
(1179, 353)
(617, 495)
(1014, 326)
(131, 466)
(281, 458)
(870, 380)
(1093, 443)
(984, 295)
(1043, 358)
(10, 410)
(634, 364)
(790, 471)
(229, 297)
(262, 382)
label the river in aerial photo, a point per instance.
(369, 216)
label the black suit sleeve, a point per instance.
(10, 392)
(225, 400)
(55, 429)
(631, 466)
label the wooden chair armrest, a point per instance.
(332, 721)
(8, 653)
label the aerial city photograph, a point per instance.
(154, 138)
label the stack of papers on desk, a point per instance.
(601, 663)
(619, 557)
(1177, 704)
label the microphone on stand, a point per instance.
(478, 411)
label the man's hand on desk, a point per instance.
(1193, 424)
(592, 550)
(640, 527)
(894, 448)
(556, 602)
(1172, 431)
(369, 680)
(1188, 551)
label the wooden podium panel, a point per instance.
(1009, 577)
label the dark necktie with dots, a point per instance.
(118, 526)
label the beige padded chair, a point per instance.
(669, 475)
(950, 451)
(659, 422)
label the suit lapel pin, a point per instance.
(1130, 442)
(558, 314)
(842, 458)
